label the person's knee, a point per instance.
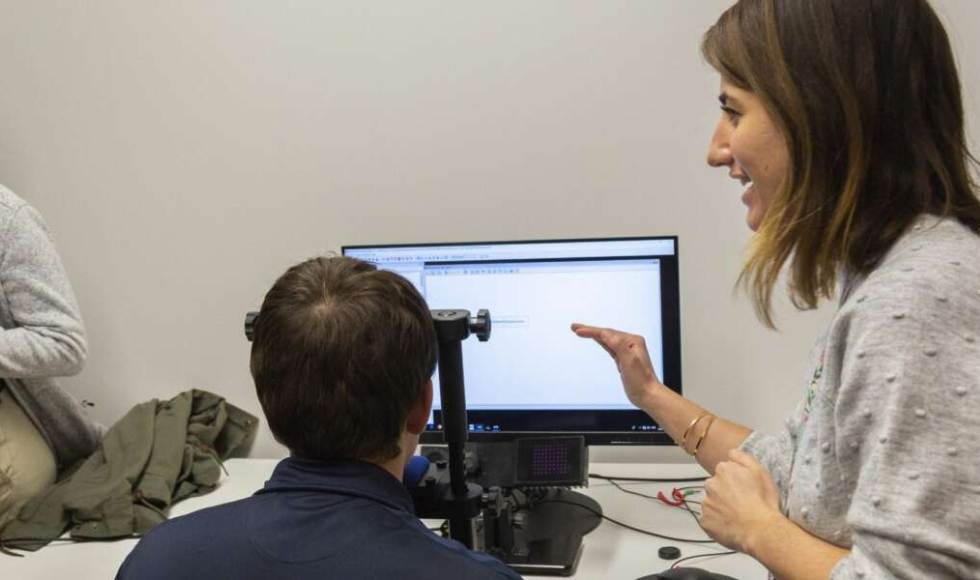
(27, 464)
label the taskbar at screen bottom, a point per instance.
(606, 427)
(554, 421)
(433, 437)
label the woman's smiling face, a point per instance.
(748, 143)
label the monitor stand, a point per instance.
(545, 540)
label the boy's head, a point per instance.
(342, 353)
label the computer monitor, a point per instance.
(534, 376)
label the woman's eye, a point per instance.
(733, 115)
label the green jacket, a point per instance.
(159, 453)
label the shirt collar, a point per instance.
(347, 477)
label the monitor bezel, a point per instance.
(670, 296)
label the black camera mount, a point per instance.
(464, 502)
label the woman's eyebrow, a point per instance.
(725, 99)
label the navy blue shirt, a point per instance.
(346, 520)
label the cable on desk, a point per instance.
(694, 514)
(682, 501)
(715, 555)
(649, 479)
(627, 526)
(629, 491)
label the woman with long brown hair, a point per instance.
(845, 120)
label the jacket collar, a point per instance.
(346, 477)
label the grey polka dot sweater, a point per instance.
(882, 456)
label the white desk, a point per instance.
(610, 551)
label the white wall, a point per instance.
(186, 152)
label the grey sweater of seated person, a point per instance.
(41, 333)
(883, 454)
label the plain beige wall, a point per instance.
(186, 152)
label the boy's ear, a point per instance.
(418, 416)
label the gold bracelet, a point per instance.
(683, 442)
(703, 433)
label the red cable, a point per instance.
(676, 502)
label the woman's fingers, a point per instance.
(586, 331)
(630, 354)
(742, 458)
(620, 345)
(600, 335)
(608, 337)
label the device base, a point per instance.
(555, 527)
(557, 557)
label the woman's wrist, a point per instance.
(650, 395)
(760, 532)
(778, 543)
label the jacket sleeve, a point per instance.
(46, 337)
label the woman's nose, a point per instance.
(719, 152)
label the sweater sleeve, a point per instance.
(775, 453)
(778, 452)
(907, 415)
(47, 338)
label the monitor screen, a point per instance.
(534, 376)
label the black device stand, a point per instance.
(464, 500)
(536, 530)
(544, 538)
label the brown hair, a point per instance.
(867, 97)
(340, 355)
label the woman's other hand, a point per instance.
(631, 356)
(740, 501)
